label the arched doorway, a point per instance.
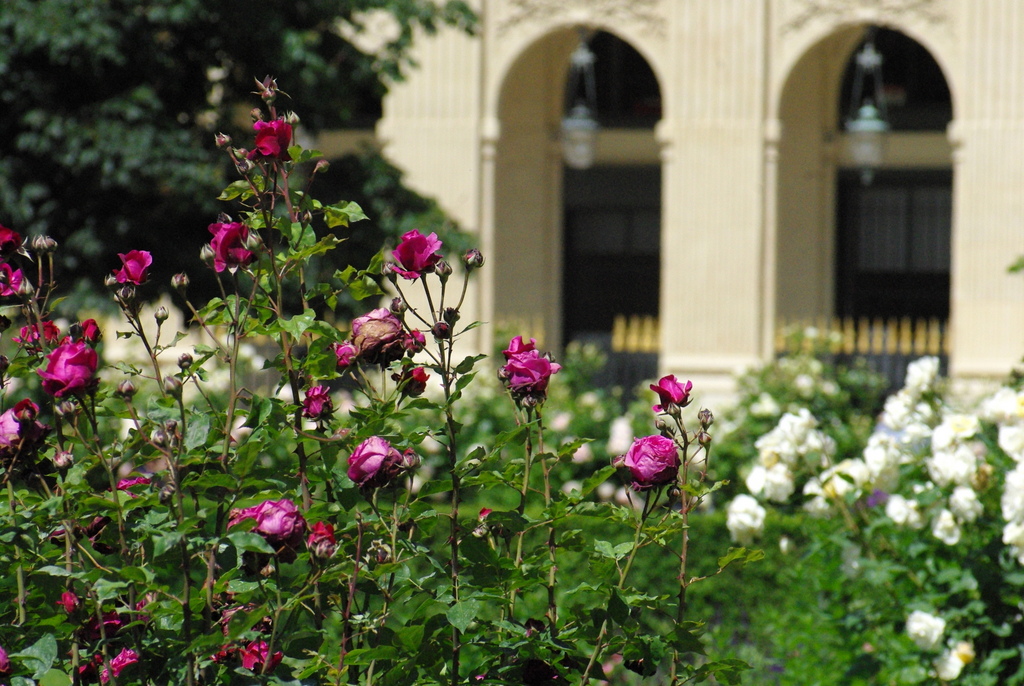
(893, 234)
(577, 249)
(858, 254)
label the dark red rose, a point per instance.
(10, 241)
(256, 657)
(272, 139)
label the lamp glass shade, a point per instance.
(579, 137)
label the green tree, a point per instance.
(108, 110)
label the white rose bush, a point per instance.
(925, 526)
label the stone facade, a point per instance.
(749, 151)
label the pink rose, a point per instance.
(317, 404)
(10, 241)
(71, 370)
(126, 657)
(671, 393)
(5, 662)
(346, 354)
(416, 254)
(653, 461)
(321, 541)
(134, 267)
(228, 246)
(272, 139)
(257, 654)
(517, 347)
(278, 521)
(10, 280)
(378, 337)
(375, 463)
(527, 372)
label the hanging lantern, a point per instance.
(579, 126)
(867, 125)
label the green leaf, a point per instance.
(740, 555)
(462, 614)
(198, 431)
(55, 677)
(164, 542)
(343, 214)
(236, 189)
(247, 540)
(40, 655)
(298, 324)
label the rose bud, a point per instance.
(652, 461)
(25, 289)
(473, 259)
(321, 166)
(180, 282)
(413, 381)
(442, 331)
(110, 281)
(69, 601)
(321, 541)
(705, 418)
(126, 389)
(346, 354)
(42, 245)
(172, 386)
(161, 314)
(443, 269)
(703, 438)
(62, 459)
(398, 307)
(451, 315)
(222, 140)
(184, 361)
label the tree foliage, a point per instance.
(108, 108)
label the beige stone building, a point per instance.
(722, 198)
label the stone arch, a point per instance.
(529, 183)
(811, 157)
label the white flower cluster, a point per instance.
(794, 445)
(908, 412)
(1006, 408)
(745, 519)
(925, 629)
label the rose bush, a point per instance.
(188, 517)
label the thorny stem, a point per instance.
(19, 570)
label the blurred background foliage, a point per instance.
(108, 110)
